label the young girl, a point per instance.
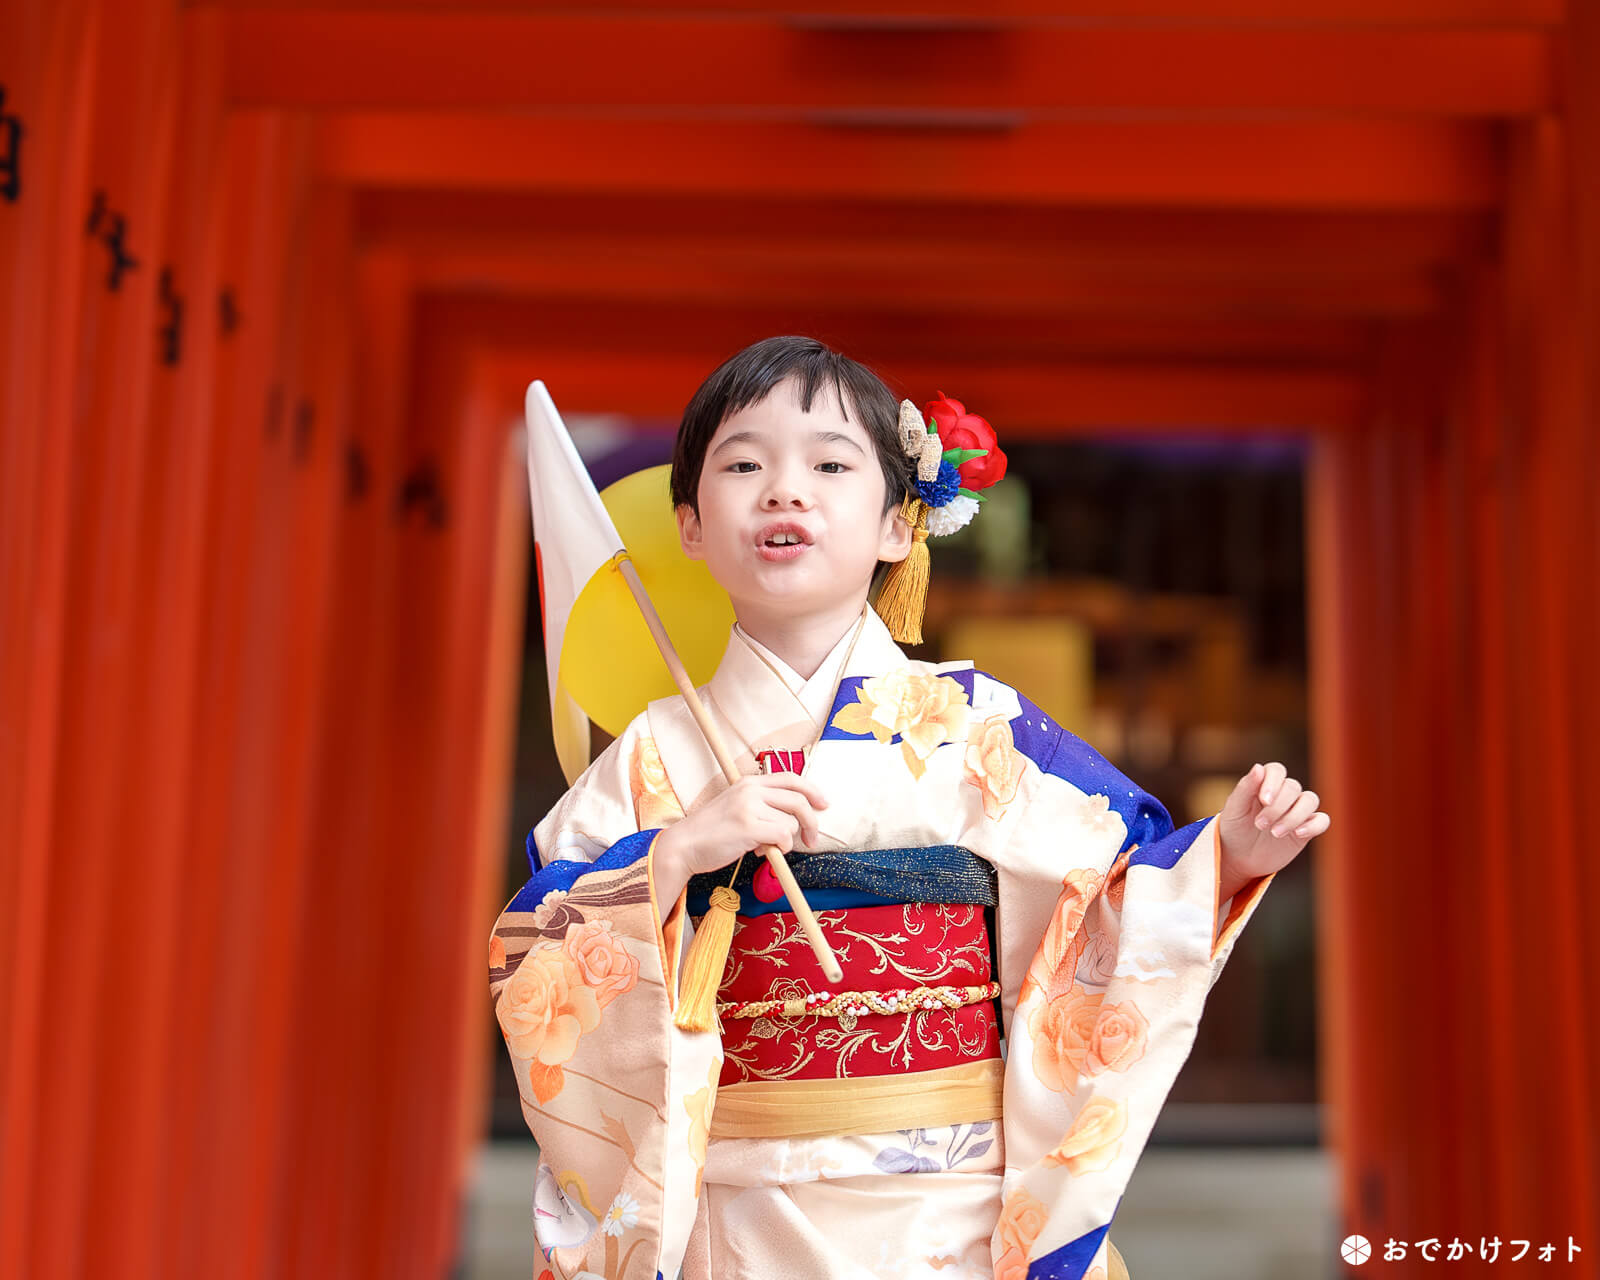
(1026, 941)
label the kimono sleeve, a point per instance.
(582, 972)
(1106, 1010)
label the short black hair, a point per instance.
(749, 376)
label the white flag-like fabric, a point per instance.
(573, 538)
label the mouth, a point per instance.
(783, 540)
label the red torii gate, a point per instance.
(272, 278)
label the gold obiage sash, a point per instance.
(963, 1094)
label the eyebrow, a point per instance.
(823, 437)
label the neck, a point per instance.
(804, 640)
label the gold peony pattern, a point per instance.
(698, 1104)
(926, 709)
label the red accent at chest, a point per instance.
(782, 760)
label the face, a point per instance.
(791, 516)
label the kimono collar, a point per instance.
(758, 692)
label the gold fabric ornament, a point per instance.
(707, 958)
(905, 588)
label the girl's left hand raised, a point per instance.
(1267, 819)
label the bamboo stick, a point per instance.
(730, 770)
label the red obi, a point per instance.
(881, 949)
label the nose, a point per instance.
(784, 489)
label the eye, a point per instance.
(735, 467)
(839, 465)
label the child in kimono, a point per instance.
(1026, 941)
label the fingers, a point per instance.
(1272, 779)
(1240, 799)
(1283, 797)
(1318, 823)
(1297, 814)
(778, 834)
(780, 801)
(794, 795)
(794, 782)
(799, 808)
(1285, 806)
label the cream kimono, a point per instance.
(1108, 937)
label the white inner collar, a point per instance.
(815, 694)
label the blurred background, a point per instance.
(1285, 311)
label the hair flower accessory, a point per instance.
(946, 484)
(984, 462)
(956, 454)
(953, 515)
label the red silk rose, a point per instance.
(959, 429)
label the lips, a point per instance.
(787, 550)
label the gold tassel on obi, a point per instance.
(905, 588)
(703, 967)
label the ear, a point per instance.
(895, 540)
(690, 535)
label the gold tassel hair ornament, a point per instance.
(905, 587)
(939, 503)
(707, 958)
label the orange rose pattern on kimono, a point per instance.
(653, 797)
(1063, 942)
(545, 1008)
(1074, 1035)
(994, 765)
(1020, 1220)
(1095, 1138)
(1106, 939)
(579, 968)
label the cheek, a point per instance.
(866, 537)
(866, 507)
(714, 518)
